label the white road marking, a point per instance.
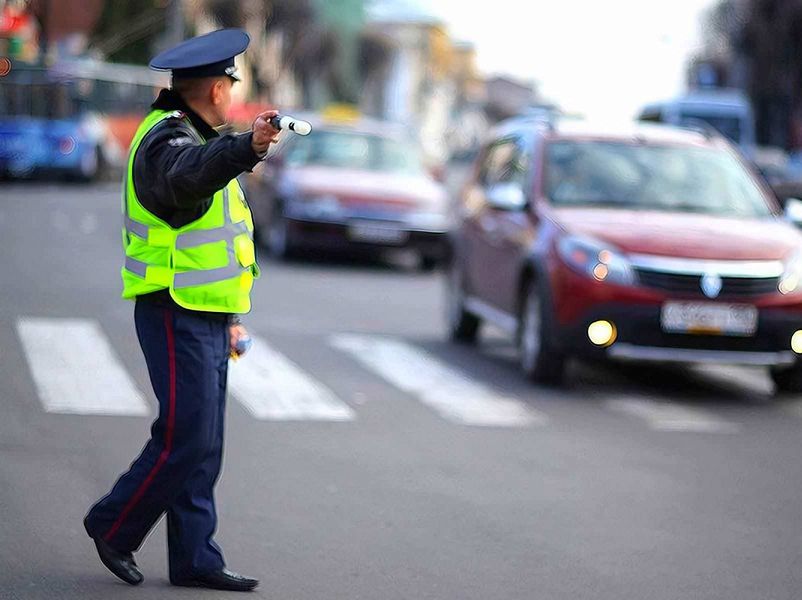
(273, 388)
(665, 416)
(75, 369)
(451, 393)
(745, 378)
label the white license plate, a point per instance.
(377, 233)
(708, 318)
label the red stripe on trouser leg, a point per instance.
(168, 435)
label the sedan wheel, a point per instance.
(788, 380)
(278, 237)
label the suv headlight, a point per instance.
(792, 275)
(595, 259)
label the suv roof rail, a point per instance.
(545, 117)
(703, 127)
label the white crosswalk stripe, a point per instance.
(451, 393)
(75, 369)
(272, 387)
(669, 416)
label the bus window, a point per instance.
(651, 116)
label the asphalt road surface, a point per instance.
(368, 458)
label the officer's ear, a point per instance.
(218, 91)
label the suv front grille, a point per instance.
(687, 284)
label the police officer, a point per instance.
(190, 265)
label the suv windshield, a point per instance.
(356, 151)
(650, 177)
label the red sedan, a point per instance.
(649, 243)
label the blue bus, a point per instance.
(55, 121)
(727, 111)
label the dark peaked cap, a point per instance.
(208, 55)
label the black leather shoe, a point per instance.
(219, 580)
(122, 564)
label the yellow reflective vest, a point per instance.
(207, 265)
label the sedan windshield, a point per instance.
(650, 177)
(356, 151)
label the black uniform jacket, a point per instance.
(176, 173)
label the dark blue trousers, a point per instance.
(187, 358)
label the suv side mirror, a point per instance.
(506, 196)
(793, 211)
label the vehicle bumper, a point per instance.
(640, 337)
(308, 233)
(44, 167)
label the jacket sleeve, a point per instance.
(187, 172)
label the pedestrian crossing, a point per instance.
(75, 370)
(452, 394)
(273, 388)
(665, 416)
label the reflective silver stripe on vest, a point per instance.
(192, 278)
(207, 236)
(198, 237)
(137, 267)
(189, 278)
(135, 227)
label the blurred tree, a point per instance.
(761, 44)
(310, 49)
(771, 41)
(60, 19)
(128, 30)
(344, 21)
(226, 13)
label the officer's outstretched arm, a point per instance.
(190, 172)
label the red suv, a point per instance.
(650, 243)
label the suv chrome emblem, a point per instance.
(711, 285)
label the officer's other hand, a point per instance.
(264, 133)
(236, 333)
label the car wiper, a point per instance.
(603, 203)
(693, 208)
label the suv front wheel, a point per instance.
(539, 358)
(463, 326)
(788, 379)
